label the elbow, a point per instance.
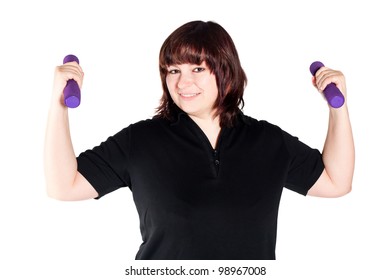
(54, 193)
(348, 189)
(343, 191)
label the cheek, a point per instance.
(170, 81)
(171, 89)
(170, 84)
(212, 87)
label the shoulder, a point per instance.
(147, 124)
(138, 128)
(148, 129)
(261, 125)
(262, 132)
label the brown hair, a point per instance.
(198, 41)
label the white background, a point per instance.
(117, 43)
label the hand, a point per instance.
(325, 76)
(62, 74)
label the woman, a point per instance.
(206, 179)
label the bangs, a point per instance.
(200, 42)
(183, 52)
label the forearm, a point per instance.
(59, 157)
(339, 150)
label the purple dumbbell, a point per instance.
(332, 94)
(71, 91)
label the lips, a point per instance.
(188, 95)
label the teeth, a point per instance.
(188, 94)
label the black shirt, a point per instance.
(195, 202)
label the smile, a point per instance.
(188, 94)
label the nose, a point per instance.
(185, 80)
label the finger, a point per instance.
(70, 71)
(327, 76)
(74, 63)
(320, 76)
(313, 81)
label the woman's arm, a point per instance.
(339, 151)
(63, 181)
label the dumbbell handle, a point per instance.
(332, 94)
(72, 96)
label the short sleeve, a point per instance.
(306, 165)
(106, 167)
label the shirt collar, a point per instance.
(179, 114)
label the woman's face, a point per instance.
(193, 88)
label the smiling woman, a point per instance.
(208, 45)
(193, 88)
(206, 179)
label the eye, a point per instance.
(173, 71)
(199, 69)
